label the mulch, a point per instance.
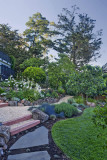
(54, 152)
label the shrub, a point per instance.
(15, 99)
(1, 90)
(75, 104)
(54, 94)
(91, 100)
(31, 95)
(61, 90)
(71, 100)
(19, 94)
(68, 109)
(35, 73)
(52, 116)
(10, 94)
(83, 106)
(48, 95)
(79, 99)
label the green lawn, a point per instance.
(77, 138)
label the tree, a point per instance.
(59, 71)
(88, 81)
(38, 35)
(13, 44)
(77, 38)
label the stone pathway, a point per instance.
(42, 155)
(38, 137)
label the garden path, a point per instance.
(10, 113)
(38, 137)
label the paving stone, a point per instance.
(41, 155)
(31, 139)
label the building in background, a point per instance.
(5, 66)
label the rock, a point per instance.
(27, 103)
(27, 150)
(91, 104)
(22, 101)
(35, 138)
(15, 99)
(12, 103)
(4, 136)
(20, 104)
(40, 155)
(56, 156)
(4, 99)
(79, 110)
(38, 114)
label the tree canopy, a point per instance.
(77, 38)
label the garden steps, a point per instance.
(3, 104)
(24, 126)
(20, 124)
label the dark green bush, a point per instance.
(71, 100)
(31, 95)
(75, 104)
(48, 95)
(19, 94)
(35, 73)
(54, 94)
(10, 94)
(79, 99)
(68, 109)
(61, 90)
(1, 90)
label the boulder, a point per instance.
(91, 104)
(38, 114)
(12, 103)
(15, 99)
(27, 103)
(4, 136)
(20, 104)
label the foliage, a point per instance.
(71, 100)
(13, 62)
(100, 116)
(68, 109)
(13, 44)
(79, 100)
(55, 94)
(77, 38)
(35, 73)
(83, 106)
(23, 90)
(10, 94)
(38, 35)
(31, 95)
(58, 72)
(52, 116)
(2, 90)
(77, 137)
(88, 81)
(61, 90)
(91, 100)
(75, 104)
(32, 62)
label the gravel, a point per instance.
(9, 113)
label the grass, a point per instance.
(77, 138)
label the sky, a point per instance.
(17, 12)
